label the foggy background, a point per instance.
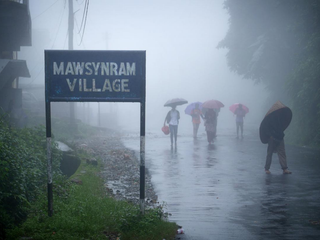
(182, 61)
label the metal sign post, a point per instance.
(49, 159)
(95, 76)
(142, 155)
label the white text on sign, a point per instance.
(94, 68)
(117, 85)
(98, 69)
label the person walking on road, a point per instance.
(240, 114)
(271, 130)
(210, 124)
(172, 118)
(216, 110)
(195, 114)
(215, 107)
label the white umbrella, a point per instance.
(175, 102)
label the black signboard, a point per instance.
(99, 76)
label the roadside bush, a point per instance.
(23, 166)
(82, 207)
(82, 210)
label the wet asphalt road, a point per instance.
(222, 192)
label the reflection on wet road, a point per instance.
(221, 191)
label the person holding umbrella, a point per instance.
(195, 114)
(172, 118)
(210, 124)
(240, 111)
(194, 110)
(271, 131)
(213, 106)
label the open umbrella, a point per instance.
(212, 104)
(233, 107)
(175, 102)
(278, 116)
(192, 106)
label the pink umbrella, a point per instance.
(233, 107)
(212, 104)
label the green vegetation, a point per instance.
(277, 43)
(23, 171)
(82, 209)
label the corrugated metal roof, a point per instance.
(11, 69)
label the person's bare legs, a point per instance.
(195, 129)
(269, 155)
(237, 124)
(282, 157)
(241, 128)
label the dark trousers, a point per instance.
(173, 133)
(210, 136)
(278, 147)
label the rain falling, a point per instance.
(206, 110)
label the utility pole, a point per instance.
(70, 47)
(70, 25)
(99, 115)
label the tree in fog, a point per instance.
(277, 42)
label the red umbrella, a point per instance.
(213, 104)
(233, 107)
(175, 102)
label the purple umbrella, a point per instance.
(191, 106)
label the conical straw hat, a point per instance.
(283, 116)
(275, 107)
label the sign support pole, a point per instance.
(49, 159)
(73, 125)
(142, 156)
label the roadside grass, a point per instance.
(82, 210)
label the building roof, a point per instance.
(11, 69)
